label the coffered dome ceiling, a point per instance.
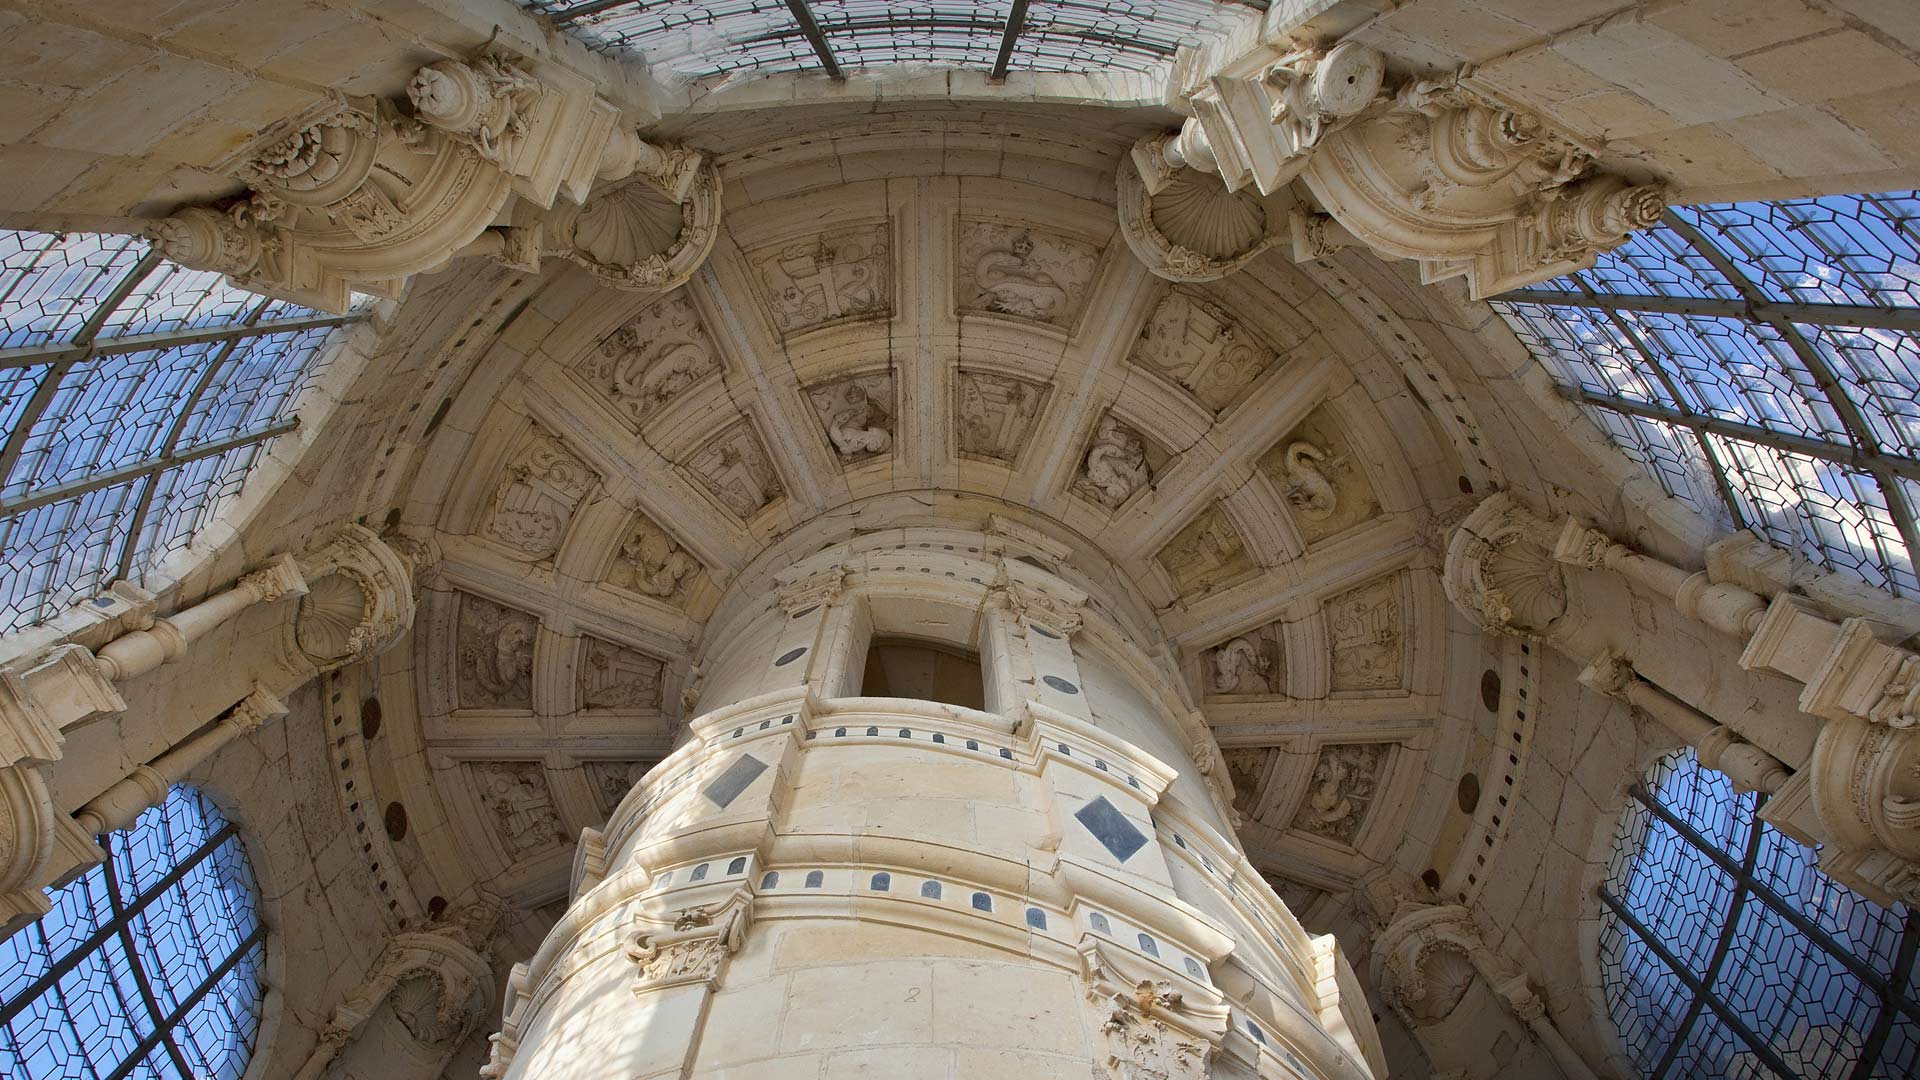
(920, 319)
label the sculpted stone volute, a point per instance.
(358, 195)
(1432, 170)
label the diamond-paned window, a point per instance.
(1761, 360)
(684, 40)
(135, 394)
(148, 965)
(1724, 951)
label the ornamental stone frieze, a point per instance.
(293, 618)
(1426, 169)
(1856, 793)
(512, 157)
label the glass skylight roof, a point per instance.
(148, 965)
(687, 40)
(1763, 358)
(1725, 952)
(134, 396)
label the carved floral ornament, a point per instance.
(357, 195)
(1429, 169)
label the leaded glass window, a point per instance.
(1724, 951)
(1760, 360)
(685, 39)
(135, 394)
(149, 965)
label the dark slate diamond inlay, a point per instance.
(728, 785)
(1111, 827)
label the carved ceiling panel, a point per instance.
(856, 415)
(734, 467)
(838, 276)
(1346, 777)
(995, 414)
(542, 488)
(1024, 273)
(1195, 344)
(496, 655)
(1206, 554)
(520, 804)
(1253, 664)
(611, 780)
(1366, 637)
(1118, 464)
(653, 564)
(651, 359)
(619, 679)
(1249, 768)
(1324, 482)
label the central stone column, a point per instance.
(821, 884)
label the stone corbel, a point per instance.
(359, 599)
(452, 955)
(1038, 600)
(1500, 571)
(1426, 960)
(692, 949)
(359, 195)
(813, 590)
(39, 845)
(1863, 790)
(1433, 170)
(1153, 1031)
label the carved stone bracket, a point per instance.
(358, 195)
(1038, 601)
(813, 590)
(694, 949)
(359, 599)
(1153, 1030)
(452, 957)
(1500, 569)
(1432, 170)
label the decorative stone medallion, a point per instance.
(857, 415)
(537, 496)
(619, 678)
(1318, 473)
(1366, 636)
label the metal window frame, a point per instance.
(818, 37)
(1863, 452)
(1889, 991)
(60, 358)
(119, 925)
